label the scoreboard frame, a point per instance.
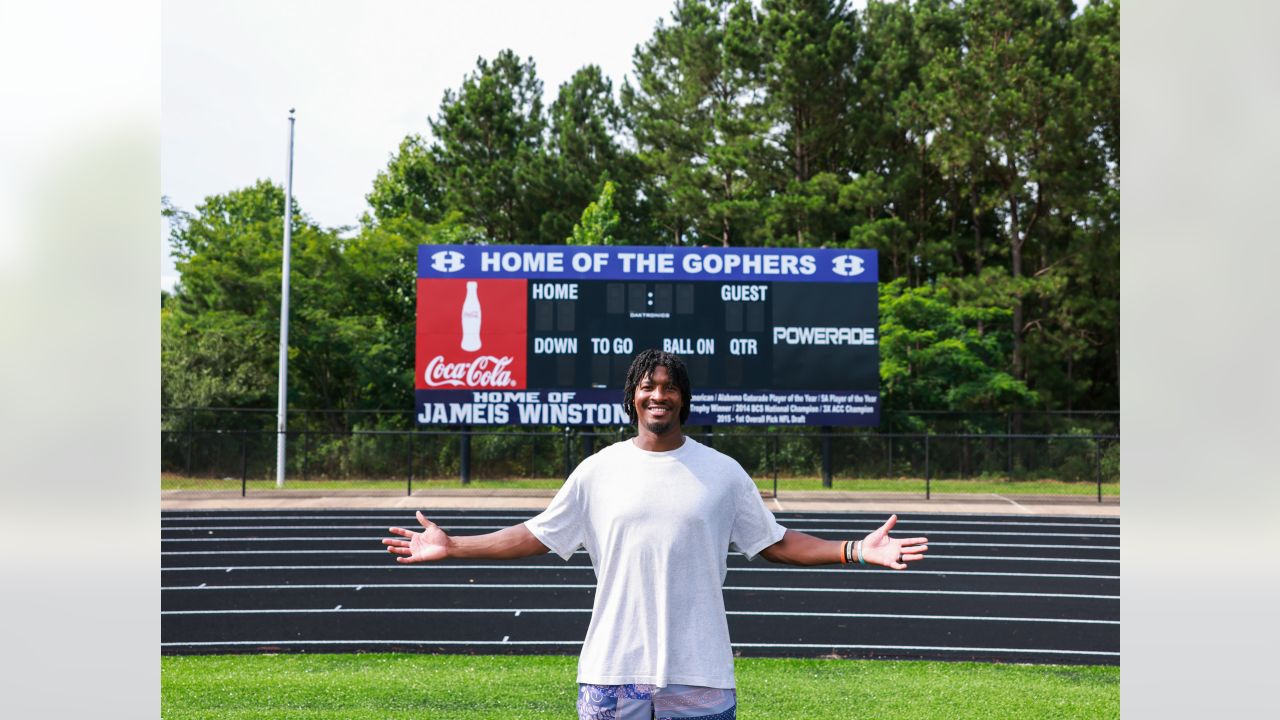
(542, 335)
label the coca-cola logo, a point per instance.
(484, 371)
(461, 345)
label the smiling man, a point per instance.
(657, 514)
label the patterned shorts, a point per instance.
(647, 702)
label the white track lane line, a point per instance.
(858, 516)
(1011, 502)
(750, 613)
(1025, 545)
(180, 553)
(1022, 534)
(923, 647)
(382, 528)
(868, 522)
(509, 568)
(574, 586)
(454, 643)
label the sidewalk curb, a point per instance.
(537, 499)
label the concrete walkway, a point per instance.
(798, 501)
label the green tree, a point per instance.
(220, 329)
(410, 186)
(905, 206)
(599, 220)
(933, 358)
(488, 148)
(1088, 316)
(974, 144)
(738, 156)
(352, 307)
(696, 112)
(584, 152)
(1010, 106)
(809, 56)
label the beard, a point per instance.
(658, 427)
(663, 424)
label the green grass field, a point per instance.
(441, 687)
(999, 486)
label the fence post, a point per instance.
(409, 486)
(464, 455)
(889, 472)
(927, 474)
(1008, 436)
(1097, 464)
(568, 453)
(191, 438)
(775, 467)
(306, 450)
(244, 461)
(826, 456)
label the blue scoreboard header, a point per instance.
(559, 262)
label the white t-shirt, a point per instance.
(658, 527)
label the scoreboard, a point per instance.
(545, 334)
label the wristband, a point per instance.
(860, 558)
(844, 552)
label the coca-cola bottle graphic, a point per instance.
(471, 319)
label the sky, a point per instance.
(362, 76)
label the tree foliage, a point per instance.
(488, 147)
(599, 221)
(974, 144)
(933, 357)
(584, 154)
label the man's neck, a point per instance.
(653, 442)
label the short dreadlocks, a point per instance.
(644, 364)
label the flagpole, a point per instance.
(282, 407)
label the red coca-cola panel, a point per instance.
(451, 319)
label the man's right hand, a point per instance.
(427, 546)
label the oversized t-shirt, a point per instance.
(658, 527)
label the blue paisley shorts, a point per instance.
(648, 702)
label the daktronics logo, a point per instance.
(471, 334)
(847, 265)
(446, 261)
(486, 371)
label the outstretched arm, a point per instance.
(797, 548)
(433, 544)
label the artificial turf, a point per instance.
(475, 687)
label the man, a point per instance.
(657, 514)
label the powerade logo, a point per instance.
(847, 265)
(446, 261)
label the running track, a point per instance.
(1004, 588)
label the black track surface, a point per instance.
(1006, 588)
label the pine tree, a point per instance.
(488, 145)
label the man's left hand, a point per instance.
(880, 549)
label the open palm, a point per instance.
(427, 546)
(880, 549)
